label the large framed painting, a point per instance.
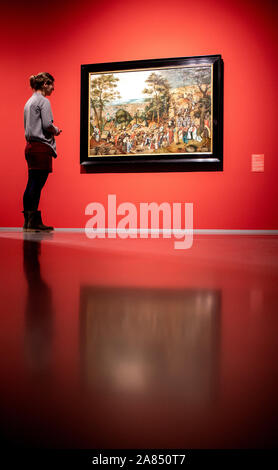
(152, 115)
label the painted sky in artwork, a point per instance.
(131, 84)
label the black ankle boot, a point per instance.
(40, 223)
(26, 218)
(35, 224)
(30, 221)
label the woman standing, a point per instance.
(40, 148)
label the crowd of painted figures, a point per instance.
(182, 133)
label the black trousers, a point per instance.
(32, 194)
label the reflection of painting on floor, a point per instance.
(151, 341)
(159, 111)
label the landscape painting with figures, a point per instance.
(163, 111)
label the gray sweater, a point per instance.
(38, 121)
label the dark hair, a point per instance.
(37, 81)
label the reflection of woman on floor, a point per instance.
(39, 307)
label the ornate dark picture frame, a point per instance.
(152, 115)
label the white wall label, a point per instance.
(258, 162)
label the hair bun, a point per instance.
(37, 81)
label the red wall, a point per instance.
(60, 36)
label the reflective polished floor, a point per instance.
(113, 343)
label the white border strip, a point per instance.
(168, 231)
